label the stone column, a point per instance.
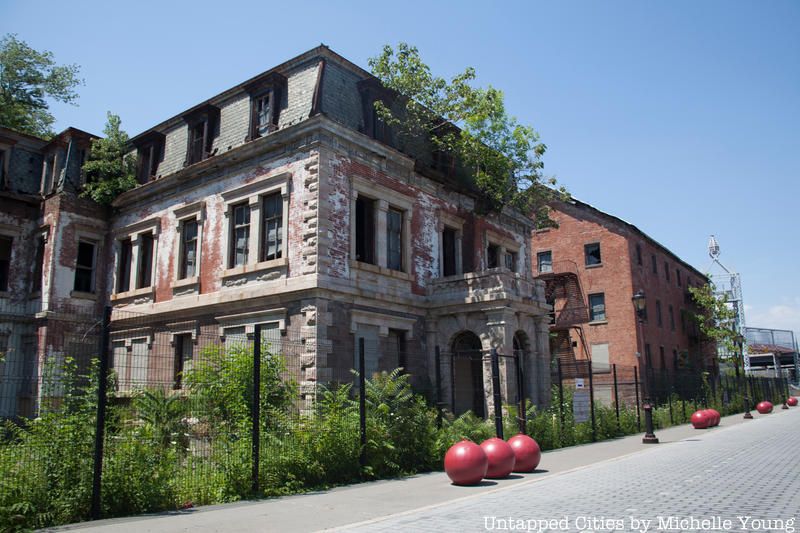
(499, 334)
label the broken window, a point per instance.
(150, 149)
(240, 236)
(365, 230)
(124, 266)
(272, 227)
(5, 260)
(188, 265)
(511, 261)
(183, 356)
(493, 256)
(448, 252)
(394, 239)
(592, 254)
(202, 124)
(84, 267)
(38, 265)
(144, 275)
(597, 306)
(265, 96)
(544, 261)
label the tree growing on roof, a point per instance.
(109, 169)
(470, 123)
(27, 79)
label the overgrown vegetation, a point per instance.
(170, 449)
(471, 125)
(110, 170)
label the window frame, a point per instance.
(592, 317)
(394, 239)
(451, 222)
(666, 271)
(134, 232)
(194, 212)
(206, 117)
(539, 262)
(384, 199)
(504, 246)
(271, 86)
(253, 194)
(587, 254)
(659, 315)
(37, 283)
(149, 154)
(654, 265)
(639, 254)
(145, 266)
(92, 268)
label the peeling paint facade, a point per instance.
(277, 203)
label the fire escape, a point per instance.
(564, 292)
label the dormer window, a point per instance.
(265, 99)
(372, 91)
(202, 124)
(150, 150)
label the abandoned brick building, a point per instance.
(593, 264)
(285, 202)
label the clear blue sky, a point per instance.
(681, 117)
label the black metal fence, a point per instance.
(585, 390)
(110, 417)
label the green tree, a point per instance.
(472, 124)
(27, 79)
(716, 319)
(109, 169)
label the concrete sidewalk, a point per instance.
(369, 501)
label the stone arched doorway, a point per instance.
(468, 392)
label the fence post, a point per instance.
(636, 386)
(438, 362)
(362, 404)
(560, 394)
(669, 400)
(521, 393)
(591, 402)
(498, 409)
(453, 381)
(100, 422)
(616, 395)
(256, 407)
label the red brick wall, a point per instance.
(619, 277)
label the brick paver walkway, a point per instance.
(750, 470)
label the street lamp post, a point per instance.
(640, 304)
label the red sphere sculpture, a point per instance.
(501, 457)
(700, 420)
(527, 453)
(792, 401)
(465, 463)
(764, 407)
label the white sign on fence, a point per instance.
(578, 383)
(581, 409)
